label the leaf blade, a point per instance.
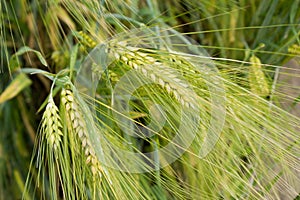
(15, 87)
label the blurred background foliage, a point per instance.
(231, 31)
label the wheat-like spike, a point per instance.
(257, 80)
(51, 124)
(87, 40)
(294, 49)
(79, 126)
(158, 72)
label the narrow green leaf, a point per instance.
(41, 58)
(38, 71)
(73, 59)
(23, 50)
(15, 87)
(136, 115)
(26, 49)
(14, 63)
(296, 101)
(19, 180)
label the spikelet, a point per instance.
(159, 73)
(51, 124)
(87, 40)
(113, 76)
(257, 80)
(79, 126)
(294, 49)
